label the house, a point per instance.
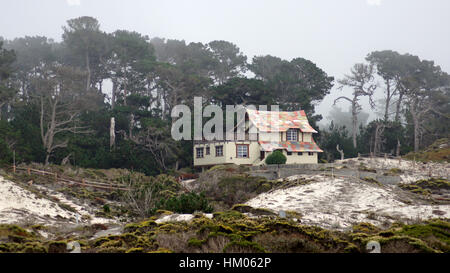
(289, 132)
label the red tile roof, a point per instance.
(290, 146)
(270, 121)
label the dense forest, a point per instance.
(54, 107)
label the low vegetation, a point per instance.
(226, 185)
(427, 186)
(233, 232)
(439, 151)
(276, 157)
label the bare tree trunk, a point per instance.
(88, 68)
(113, 94)
(415, 118)
(354, 123)
(388, 100)
(65, 160)
(112, 134)
(47, 138)
(378, 133)
(416, 132)
(130, 129)
(397, 110)
(340, 151)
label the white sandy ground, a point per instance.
(188, 183)
(339, 203)
(18, 205)
(413, 170)
(180, 217)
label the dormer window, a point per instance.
(292, 135)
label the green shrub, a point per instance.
(106, 208)
(276, 157)
(186, 203)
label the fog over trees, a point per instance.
(53, 104)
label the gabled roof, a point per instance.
(270, 121)
(290, 146)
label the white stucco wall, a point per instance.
(269, 136)
(229, 153)
(300, 159)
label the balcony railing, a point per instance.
(234, 137)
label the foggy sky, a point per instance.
(333, 34)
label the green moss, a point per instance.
(439, 151)
(436, 232)
(415, 189)
(38, 227)
(34, 247)
(358, 237)
(427, 186)
(135, 250)
(393, 171)
(112, 250)
(163, 212)
(10, 247)
(196, 242)
(161, 250)
(228, 215)
(13, 230)
(141, 227)
(293, 214)
(434, 183)
(113, 243)
(242, 208)
(366, 228)
(265, 187)
(386, 233)
(372, 180)
(401, 243)
(129, 238)
(100, 241)
(364, 168)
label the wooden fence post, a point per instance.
(28, 171)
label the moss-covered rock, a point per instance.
(34, 247)
(366, 228)
(372, 180)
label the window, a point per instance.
(289, 153)
(199, 152)
(310, 153)
(300, 153)
(292, 135)
(242, 150)
(219, 150)
(207, 150)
